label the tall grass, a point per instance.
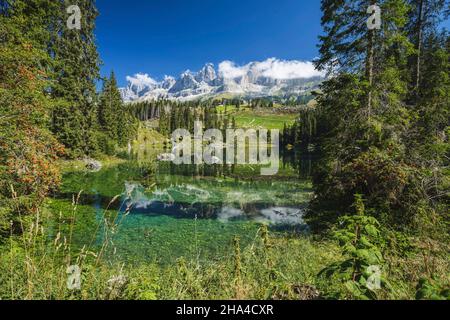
(34, 265)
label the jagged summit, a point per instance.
(207, 74)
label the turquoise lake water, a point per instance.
(164, 212)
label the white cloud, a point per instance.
(229, 70)
(142, 80)
(271, 68)
(279, 69)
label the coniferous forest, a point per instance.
(88, 210)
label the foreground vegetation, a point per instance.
(270, 267)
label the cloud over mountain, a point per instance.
(141, 79)
(272, 77)
(271, 68)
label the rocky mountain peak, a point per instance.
(207, 74)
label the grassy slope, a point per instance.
(268, 119)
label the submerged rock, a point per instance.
(283, 216)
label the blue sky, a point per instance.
(162, 37)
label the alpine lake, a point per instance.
(147, 210)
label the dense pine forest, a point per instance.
(377, 131)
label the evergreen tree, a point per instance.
(110, 109)
(77, 70)
(427, 143)
(163, 121)
(128, 125)
(423, 18)
(362, 114)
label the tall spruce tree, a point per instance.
(429, 99)
(110, 108)
(76, 72)
(361, 112)
(424, 16)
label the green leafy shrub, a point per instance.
(360, 241)
(428, 289)
(143, 286)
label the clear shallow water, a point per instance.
(166, 212)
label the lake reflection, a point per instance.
(184, 210)
(225, 201)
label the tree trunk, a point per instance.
(370, 60)
(369, 68)
(419, 41)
